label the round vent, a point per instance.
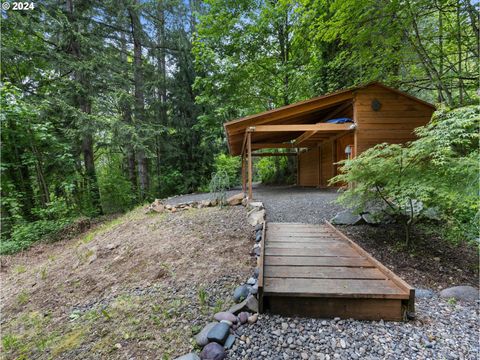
(376, 105)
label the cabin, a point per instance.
(323, 130)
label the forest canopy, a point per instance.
(108, 104)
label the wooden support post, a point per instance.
(244, 175)
(250, 166)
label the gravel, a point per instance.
(442, 330)
(285, 203)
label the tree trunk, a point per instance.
(161, 89)
(83, 103)
(140, 125)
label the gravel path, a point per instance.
(443, 330)
(285, 203)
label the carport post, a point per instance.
(249, 149)
(244, 177)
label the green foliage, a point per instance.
(275, 170)
(115, 190)
(231, 165)
(219, 185)
(439, 170)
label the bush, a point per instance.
(219, 185)
(231, 166)
(116, 191)
(438, 170)
(24, 235)
(275, 170)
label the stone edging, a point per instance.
(219, 335)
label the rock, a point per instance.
(252, 303)
(168, 207)
(235, 199)
(256, 251)
(253, 319)
(256, 272)
(201, 337)
(229, 342)
(240, 293)
(243, 317)
(225, 315)
(372, 219)
(259, 227)
(253, 289)
(304, 356)
(219, 333)
(258, 205)
(229, 323)
(432, 214)
(213, 351)
(466, 293)
(251, 281)
(258, 236)
(423, 293)
(112, 246)
(206, 203)
(189, 356)
(256, 217)
(346, 217)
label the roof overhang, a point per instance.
(299, 124)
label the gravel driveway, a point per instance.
(443, 330)
(285, 203)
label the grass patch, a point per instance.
(23, 298)
(68, 342)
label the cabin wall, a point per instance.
(393, 123)
(308, 167)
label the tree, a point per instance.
(438, 171)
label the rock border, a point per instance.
(219, 335)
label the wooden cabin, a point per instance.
(326, 129)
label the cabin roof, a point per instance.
(303, 112)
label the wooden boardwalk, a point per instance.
(317, 271)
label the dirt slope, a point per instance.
(136, 287)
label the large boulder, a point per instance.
(213, 351)
(219, 333)
(346, 217)
(256, 217)
(235, 199)
(240, 293)
(225, 315)
(257, 205)
(201, 338)
(465, 293)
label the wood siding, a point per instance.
(308, 168)
(393, 123)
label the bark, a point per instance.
(83, 103)
(162, 89)
(142, 161)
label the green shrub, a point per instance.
(115, 190)
(275, 170)
(231, 166)
(219, 185)
(24, 235)
(439, 169)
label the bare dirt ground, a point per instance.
(136, 287)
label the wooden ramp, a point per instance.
(317, 271)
